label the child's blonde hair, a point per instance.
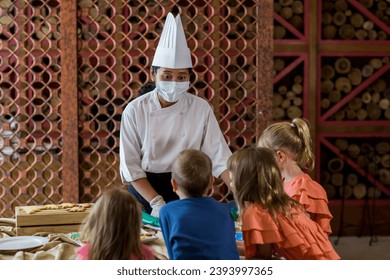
(113, 227)
(257, 179)
(293, 137)
(192, 170)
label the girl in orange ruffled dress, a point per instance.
(272, 222)
(292, 144)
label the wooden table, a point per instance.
(60, 246)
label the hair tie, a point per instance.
(292, 124)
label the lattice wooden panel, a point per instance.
(116, 45)
(116, 41)
(30, 100)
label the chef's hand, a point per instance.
(156, 203)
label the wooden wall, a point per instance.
(331, 66)
(68, 68)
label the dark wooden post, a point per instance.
(70, 172)
(265, 17)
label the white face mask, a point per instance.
(172, 91)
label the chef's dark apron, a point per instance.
(161, 182)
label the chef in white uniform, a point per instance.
(158, 125)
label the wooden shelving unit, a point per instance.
(342, 51)
(357, 167)
(290, 98)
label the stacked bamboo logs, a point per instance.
(287, 97)
(292, 11)
(339, 79)
(340, 180)
(381, 9)
(340, 20)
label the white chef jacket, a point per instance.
(151, 137)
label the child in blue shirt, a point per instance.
(196, 227)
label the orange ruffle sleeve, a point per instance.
(258, 228)
(297, 238)
(313, 197)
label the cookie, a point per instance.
(33, 210)
(76, 209)
(51, 207)
(67, 205)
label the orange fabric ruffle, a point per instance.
(313, 197)
(297, 238)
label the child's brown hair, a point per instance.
(113, 227)
(192, 170)
(256, 178)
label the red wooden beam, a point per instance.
(70, 172)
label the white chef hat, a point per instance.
(172, 50)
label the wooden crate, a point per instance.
(48, 220)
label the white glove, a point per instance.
(156, 203)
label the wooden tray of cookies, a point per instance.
(51, 218)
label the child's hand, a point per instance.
(240, 247)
